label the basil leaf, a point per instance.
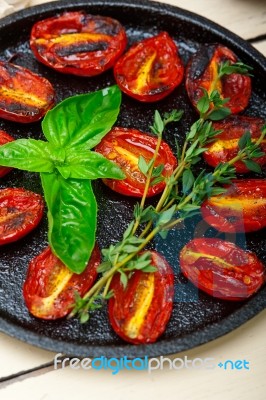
(72, 215)
(27, 154)
(85, 118)
(89, 165)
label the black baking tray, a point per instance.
(197, 318)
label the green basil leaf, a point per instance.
(85, 118)
(86, 164)
(27, 154)
(72, 215)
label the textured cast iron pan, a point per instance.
(197, 318)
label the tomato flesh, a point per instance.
(222, 269)
(225, 146)
(24, 96)
(151, 69)
(140, 312)
(4, 138)
(124, 147)
(78, 43)
(20, 212)
(202, 72)
(50, 287)
(242, 208)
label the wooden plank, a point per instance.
(17, 356)
(261, 46)
(245, 18)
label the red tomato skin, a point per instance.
(25, 96)
(163, 75)
(222, 269)
(137, 143)
(86, 60)
(5, 138)
(233, 128)
(42, 280)
(126, 303)
(202, 70)
(242, 208)
(20, 212)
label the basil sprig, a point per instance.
(67, 164)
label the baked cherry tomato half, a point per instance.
(225, 145)
(24, 96)
(4, 138)
(150, 69)
(20, 212)
(242, 208)
(139, 313)
(124, 146)
(78, 43)
(222, 269)
(202, 72)
(50, 287)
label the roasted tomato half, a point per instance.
(124, 146)
(140, 312)
(225, 146)
(221, 268)
(78, 43)
(24, 96)
(151, 69)
(20, 212)
(4, 138)
(242, 208)
(50, 287)
(202, 72)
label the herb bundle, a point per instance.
(182, 197)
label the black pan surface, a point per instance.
(197, 318)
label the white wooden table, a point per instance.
(32, 370)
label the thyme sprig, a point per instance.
(182, 197)
(227, 68)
